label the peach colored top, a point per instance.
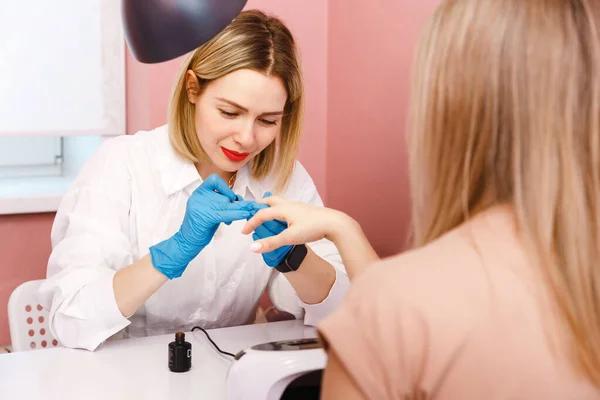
(461, 318)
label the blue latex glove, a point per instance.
(210, 205)
(267, 229)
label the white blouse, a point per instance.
(131, 195)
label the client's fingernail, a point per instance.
(255, 247)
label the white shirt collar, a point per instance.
(176, 173)
(246, 185)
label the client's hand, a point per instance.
(305, 224)
(268, 229)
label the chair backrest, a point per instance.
(28, 320)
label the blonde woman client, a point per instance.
(500, 299)
(148, 239)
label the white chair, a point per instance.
(28, 320)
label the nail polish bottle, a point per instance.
(180, 354)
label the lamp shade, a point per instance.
(161, 30)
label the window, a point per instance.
(62, 90)
(30, 156)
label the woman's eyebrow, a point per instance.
(233, 103)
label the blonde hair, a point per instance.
(506, 109)
(254, 41)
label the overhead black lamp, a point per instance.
(161, 30)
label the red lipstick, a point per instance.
(234, 155)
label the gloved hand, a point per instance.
(211, 204)
(268, 229)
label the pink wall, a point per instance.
(370, 54)
(24, 250)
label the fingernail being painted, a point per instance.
(255, 247)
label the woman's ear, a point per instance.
(192, 87)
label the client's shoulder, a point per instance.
(456, 269)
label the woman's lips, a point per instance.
(234, 155)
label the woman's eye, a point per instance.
(268, 122)
(228, 114)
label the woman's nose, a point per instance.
(245, 135)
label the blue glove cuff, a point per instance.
(167, 257)
(275, 257)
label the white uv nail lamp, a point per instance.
(282, 370)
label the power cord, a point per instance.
(213, 343)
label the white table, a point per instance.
(135, 368)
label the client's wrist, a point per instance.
(341, 225)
